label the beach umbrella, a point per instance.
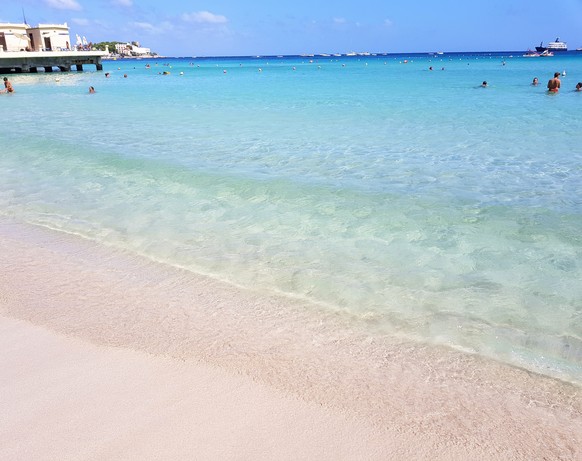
(21, 38)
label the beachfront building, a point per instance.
(131, 49)
(44, 37)
(24, 48)
(140, 51)
(122, 49)
(14, 37)
(49, 37)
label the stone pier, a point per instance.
(33, 61)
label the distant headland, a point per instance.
(124, 50)
(18, 37)
(45, 47)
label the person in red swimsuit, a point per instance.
(554, 83)
(7, 86)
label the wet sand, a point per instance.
(107, 355)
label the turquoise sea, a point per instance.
(432, 208)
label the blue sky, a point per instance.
(272, 27)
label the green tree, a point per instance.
(104, 45)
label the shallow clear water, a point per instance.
(415, 199)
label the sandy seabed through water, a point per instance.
(109, 355)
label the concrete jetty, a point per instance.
(33, 61)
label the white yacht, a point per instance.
(557, 45)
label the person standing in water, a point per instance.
(554, 83)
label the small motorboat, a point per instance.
(531, 54)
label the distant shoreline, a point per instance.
(331, 56)
(132, 58)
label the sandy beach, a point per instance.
(66, 399)
(110, 356)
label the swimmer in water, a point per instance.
(535, 81)
(7, 86)
(554, 83)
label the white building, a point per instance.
(121, 48)
(44, 37)
(129, 49)
(14, 37)
(49, 37)
(140, 51)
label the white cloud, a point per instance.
(125, 3)
(204, 17)
(64, 4)
(339, 20)
(144, 26)
(388, 23)
(150, 28)
(80, 21)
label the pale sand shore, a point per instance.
(110, 356)
(65, 399)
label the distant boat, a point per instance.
(532, 54)
(553, 46)
(535, 54)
